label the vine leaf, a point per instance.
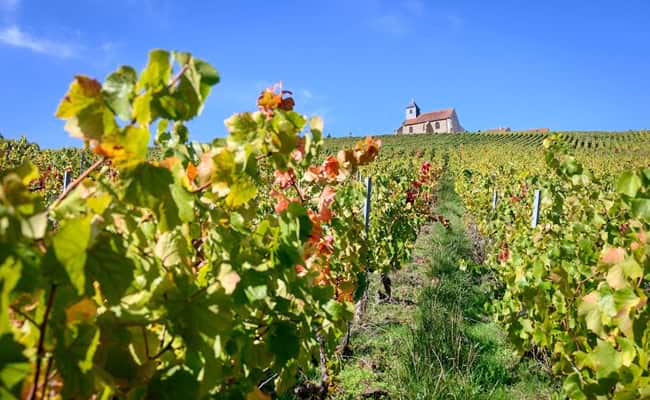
(70, 246)
(118, 89)
(157, 72)
(628, 183)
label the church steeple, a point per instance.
(412, 110)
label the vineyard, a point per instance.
(275, 263)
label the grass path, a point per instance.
(434, 341)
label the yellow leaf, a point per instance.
(316, 123)
(257, 394)
(82, 93)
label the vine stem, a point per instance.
(263, 156)
(24, 315)
(302, 198)
(178, 76)
(76, 183)
(165, 348)
(323, 367)
(41, 342)
(47, 378)
(146, 341)
(202, 187)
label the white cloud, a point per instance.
(307, 94)
(14, 36)
(399, 19)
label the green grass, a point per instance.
(435, 341)
(454, 351)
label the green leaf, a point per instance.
(74, 360)
(14, 366)
(184, 201)
(628, 183)
(34, 227)
(625, 299)
(604, 360)
(243, 128)
(628, 350)
(92, 123)
(118, 89)
(284, 342)
(336, 310)
(624, 273)
(255, 293)
(641, 208)
(157, 72)
(198, 321)
(241, 192)
(149, 187)
(209, 74)
(182, 105)
(27, 172)
(108, 265)
(172, 249)
(573, 387)
(70, 246)
(174, 383)
(142, 111)
(136, 142)
(590, 309)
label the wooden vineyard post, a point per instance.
(82, 162)
(67, 177)
(366, 206)
(494, 200)
(535, 218)
(361, 304)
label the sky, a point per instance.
(566, 65)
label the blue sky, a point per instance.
(567, 65)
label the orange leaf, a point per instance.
(169, 162)
(282, 200)
(89, 87)
(612, 255)
(331, 167)
(206, 168)
(299, 153)
(85, 310)
(285, 178)
(191, 172)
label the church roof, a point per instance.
(430, 116)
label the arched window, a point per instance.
(437, 125)
(410, 129)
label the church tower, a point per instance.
(412, 110)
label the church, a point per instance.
(441, 121)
